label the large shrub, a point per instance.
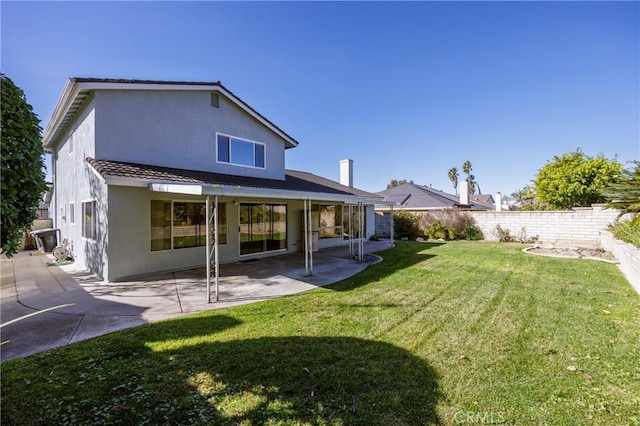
(406, 225)
(450, 225)
(575, 180)
(21, 175)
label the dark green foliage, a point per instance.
(473, 233)
(450, 225)
(405, 225)
(575, 180)
(22, 166)
(625, 194)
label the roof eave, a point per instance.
(75, 86)
(210, 189)
(69, 93)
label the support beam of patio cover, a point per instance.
(308, 239)
(212, 247)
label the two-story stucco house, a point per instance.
(141, 167)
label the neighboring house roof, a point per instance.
(410, 196)
(483, 199)
(78, 89)
(296, 184)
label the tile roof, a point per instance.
(294, 180)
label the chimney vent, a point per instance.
(346, 172)
(464, 193)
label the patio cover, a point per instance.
(296, 186)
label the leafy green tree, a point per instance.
(625, 194)
(22, 178)
(396, 182)
(575, 180)
(453, 177)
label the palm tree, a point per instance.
(625, 194)
(466, 167)
(472, 184)
(453, 177)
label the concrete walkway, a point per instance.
(44, 307)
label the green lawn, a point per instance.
(460, 333)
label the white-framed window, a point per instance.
(89, 220)
(72, 213)
(240, 152)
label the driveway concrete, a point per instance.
(44, 307)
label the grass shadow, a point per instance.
(268, 380)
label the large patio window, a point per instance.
(240, 152)
(181, 224)
(263, 227)
(327, 220)
(334, 220)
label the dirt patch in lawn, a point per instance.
(574, 253)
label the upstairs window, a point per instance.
(240, 152)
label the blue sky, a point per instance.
(405, 89)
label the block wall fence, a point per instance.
(627, 254)
(580, 224)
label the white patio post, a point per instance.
(215, 247)
(350, 231)
(391, 235)
(212, 249)
(310, 241)
(361, 229)
(306, 239)
(208, 248)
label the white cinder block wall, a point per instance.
(581, 224)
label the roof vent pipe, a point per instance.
(346, 173)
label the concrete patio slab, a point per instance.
(44, 307)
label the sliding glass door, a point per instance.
(263, 227)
